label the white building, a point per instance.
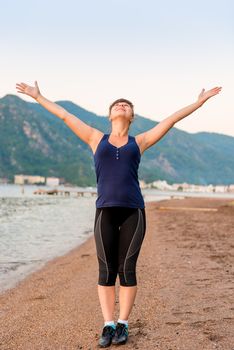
(52, 181)
(221, 188)
(142, 184)
(161, 185)
(230, 188)
(28, 179)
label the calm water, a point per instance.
(35, 229)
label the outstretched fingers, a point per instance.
(205, 95)
(21, 87)
(26, 89)
(215, 90)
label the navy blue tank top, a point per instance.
(117, 174)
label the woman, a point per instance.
(120, 222)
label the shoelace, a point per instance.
(108, 330)
(121, 329)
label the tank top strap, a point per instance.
(104, 138)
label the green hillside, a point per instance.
(35, 142)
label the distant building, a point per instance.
(142, 184)
(28, 179)
(4, 180)
(230, 188)
(161, 185)
(186, 187)
(52, 181)
(62, 180)
(221, 188)
(180, 186)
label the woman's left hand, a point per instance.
(205, 95)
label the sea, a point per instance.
(37, 228)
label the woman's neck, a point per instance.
(119, 130)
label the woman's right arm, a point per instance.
(85, 132)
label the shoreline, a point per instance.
(185, 280)
(29, 270)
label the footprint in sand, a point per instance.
(138, 328)
(208, 308)
(171, 323)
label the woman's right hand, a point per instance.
(32, 91)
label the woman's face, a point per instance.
(121, 109)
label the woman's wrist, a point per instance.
(38, 97)
(199, 103)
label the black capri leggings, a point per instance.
(119, 233)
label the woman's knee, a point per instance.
(107, 276)
(127, 278)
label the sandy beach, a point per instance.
(185, 296)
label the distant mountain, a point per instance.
(35, 142)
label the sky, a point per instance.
(157, 54)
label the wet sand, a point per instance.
(185, 296)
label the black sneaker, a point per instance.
(121, 334)
(107, 334)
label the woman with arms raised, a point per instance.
(120, 221)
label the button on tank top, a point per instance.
(117, 174)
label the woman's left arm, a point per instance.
(150, 137)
